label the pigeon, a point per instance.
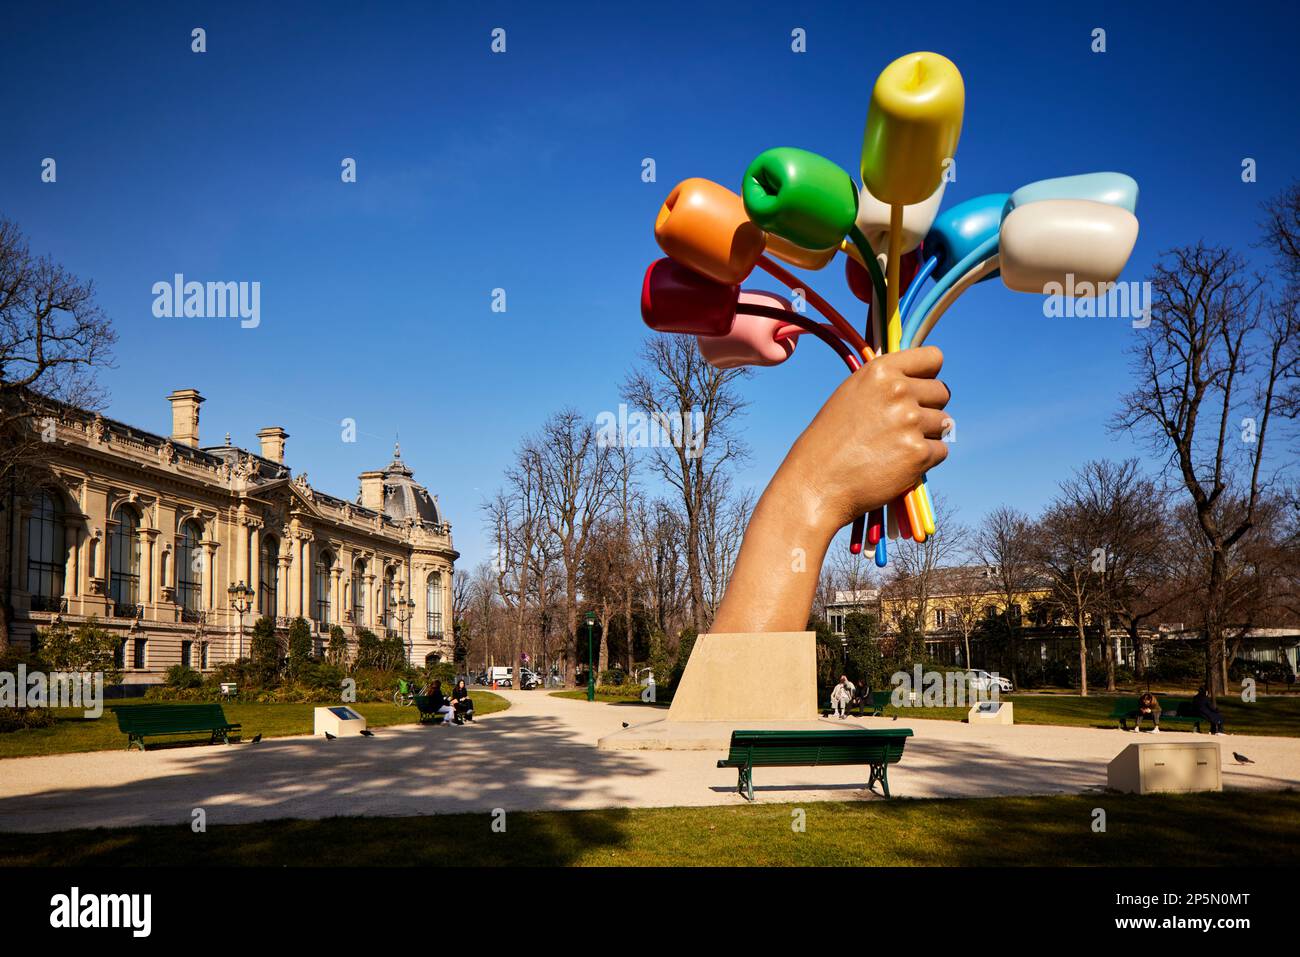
(1241, 758)
(328, 736)
(367, 732)
(256, 738)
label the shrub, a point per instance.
(300, 645)
(87, 649)
(611, 677)
(180, 677)
(1173, 660)
(22, 719)
(265, 651)
(337, 650)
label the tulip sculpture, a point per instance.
(801, 209)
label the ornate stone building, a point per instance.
(148, 534)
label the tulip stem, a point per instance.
(869, 262)
(895, 327)
(822, 332)
(842, 326)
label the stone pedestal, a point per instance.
(769, 676)
(1170, 767)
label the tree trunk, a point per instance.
(570, 631)
(1215, 672)
(1109, 653)
(602, 649)
(1083, 661)
(1139, 651)
(693, 572)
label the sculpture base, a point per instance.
(767, 676)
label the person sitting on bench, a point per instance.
(862, 697)
(440, 703)
(461, 702)
(1148, 707)
(1201, 707)
(841, 696)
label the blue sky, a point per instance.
(523, 171)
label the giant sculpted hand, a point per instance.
(872, 440)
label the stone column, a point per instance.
(254, 579)
(147, 576)
(304, 592)
(293, 577)
(241, 550)
(72, 568)
(282, 584)
(20, 560)
(336, 598)
(210, 574)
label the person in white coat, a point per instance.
(842, 695)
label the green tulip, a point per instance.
(800, 196)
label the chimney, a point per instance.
(372, 490)
(272, 438)
(185, 416)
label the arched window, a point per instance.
(433, 605)
(268, 568)
(46, 551)
(124, 561)
(189, 570)
(321, 586)
(359, 591)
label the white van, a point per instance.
(501, 675)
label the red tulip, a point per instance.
(676, 299)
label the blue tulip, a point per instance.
(959, 231)
(1113, 189)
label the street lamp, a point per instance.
(403, 610)
(241, 599)
(591, 665)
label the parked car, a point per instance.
(529, 679)
(984, 681)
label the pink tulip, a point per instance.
(751, 341)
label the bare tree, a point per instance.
(915, 566)
(660, 546)
(722, 526)
(1065, 540)
(1004, 542)
(53, 338)
(576, 486)
(1216, 366)
(696, 405)
(604, 573)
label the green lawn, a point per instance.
(76, 733)
(1237, 828)
(630, 696)
(1267, 715)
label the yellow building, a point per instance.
(148, 534)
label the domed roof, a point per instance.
(404, 498)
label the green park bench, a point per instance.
(879, 702)
(878, 748)
(1169, 712)
(139, 721)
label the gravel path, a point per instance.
(541, 754)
